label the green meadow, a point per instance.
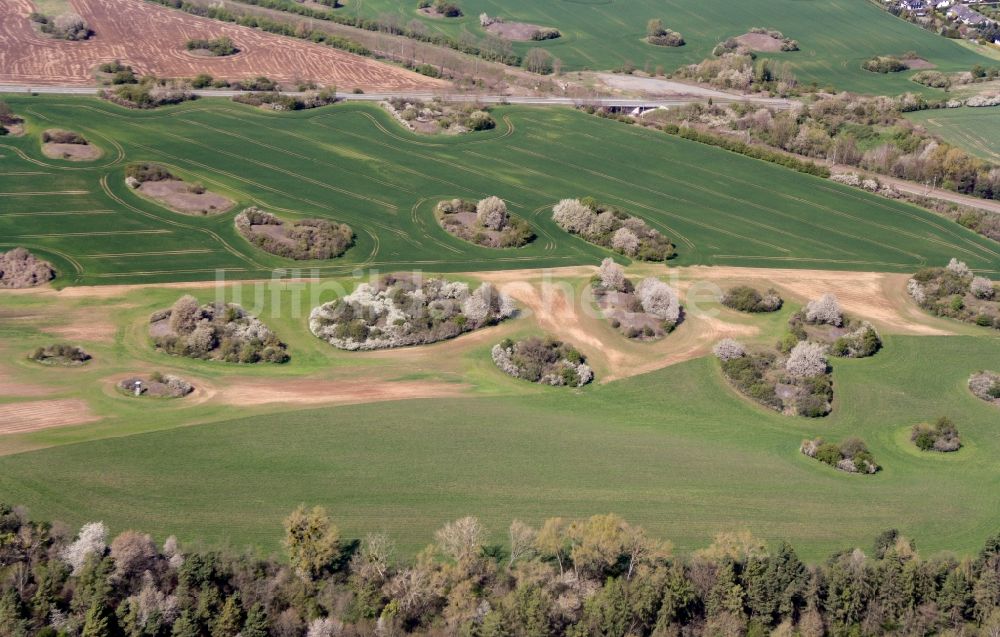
(676, 451)
(835, 36)
(352, 163)
(976, 130)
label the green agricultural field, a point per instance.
(977, 130)
(835, 36)
(354, 164)
(676, 451)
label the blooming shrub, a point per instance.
(612, 276)
(728, 349)
(545, 361)
(953, 291)
(807, 359)
(659, 299)
(610, 227)
(492, 213)
(986, 386)
(486, 223)
(825, 309)
(399, 311)
(859, 343)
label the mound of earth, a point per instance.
(156, 385)
(761, 42)
(60, 354)
(823, 321)
(486, 223)
(160, 184)
(21, 269)
(609, 227)
(403, 310)
(542, 360)
(521, 31)
(300, 240)
(942, 436)
(63, 144)
(215, 331)
(10, 124)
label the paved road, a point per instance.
(376, 97)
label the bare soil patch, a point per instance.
(177, 195)
(624, 311)
(72, 152)
(44, 414)
(518, 31)
(155, 386)
(760, 42)
(242, 392)
(146, 36)
(918, 63)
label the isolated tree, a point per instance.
(612, 275)
(492, 213)
(806, 359)
(312, 541)
(825, 309)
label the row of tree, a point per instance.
(595, 576)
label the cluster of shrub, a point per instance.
(659, 35)
(798, 383)
(955, 292)
(60, 354)
(276, 101)
(215, 331)
(444, 8)
(851, 455)
(610, 227)
(884, 64)
(404, 310)
(978, 73)
(868, 132)
(7, 118)
(740, 70)
(158, 385)
(219, 47)
(542, 360)
(633, 307)
(21, 269)
(569, 577)
(148, 92)
(747, 299)
(119, 73)
(823, 320)
(54, 136)
(757, 152)
(142, 172)
(986, 386)
(486, 223)
(488, 50)
(941, 436)
(301, 240)
(66, 26)
(449, 116)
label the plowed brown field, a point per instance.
(152, 39)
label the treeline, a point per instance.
(736, 146)
(596, 576)
(267, 24)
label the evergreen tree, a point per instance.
(230, 620)
(96, 623)
(185, 626)
(256, 624)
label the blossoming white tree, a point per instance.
(806, 359)
(612, 275)
(92, 540)
(492, 213)
(825, 309)
(728, 349)
(659, 299)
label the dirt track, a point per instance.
(152, 38)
